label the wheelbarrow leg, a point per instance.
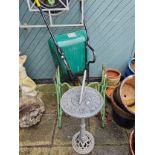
(103, 92)
(103, 116)
(58, 105)
(60, 118)
(59, 112)
(57, 84)
(103, 108)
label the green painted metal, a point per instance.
(73, 47)
(61, 88)
(57, 84)
(104, 83)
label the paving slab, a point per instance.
(49, 102)
(129, 131)
(111, 150)
(40, 134)
(70, 126)
(63, 151)
(110, 134)
(46, 88)
(34, 151)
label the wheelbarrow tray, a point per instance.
(73, 46)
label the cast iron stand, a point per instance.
(82, 102)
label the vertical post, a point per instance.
(82, 11)
(82, 129)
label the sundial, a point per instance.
(90, 105)
(82, 102)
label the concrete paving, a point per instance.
(46, 139)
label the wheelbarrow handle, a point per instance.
(94, 55)
(88, 45)
(91, 61)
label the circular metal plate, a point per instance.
(91, 103)
(83, 147)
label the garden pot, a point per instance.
(125, 123)
(109, 92)
(121, 117)
(113, 77)
(125, 94)
(132, 142)
(130, 69)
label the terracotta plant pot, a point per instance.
(113, 77)
(109, 92)
(121, 117)
(125, 94)
(119, 110)
(132, 142)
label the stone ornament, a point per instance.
(31, 107)
(27, 85)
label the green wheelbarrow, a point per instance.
(70, 51)
(77, 52)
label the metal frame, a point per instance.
(33, 8)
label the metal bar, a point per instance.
(33, 5)
(54, 9)
(67, 4)
(50, 18)
(62, 3)
(28, 3)
(82, 11)
(53, 25)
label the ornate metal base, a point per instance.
(83, 146)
